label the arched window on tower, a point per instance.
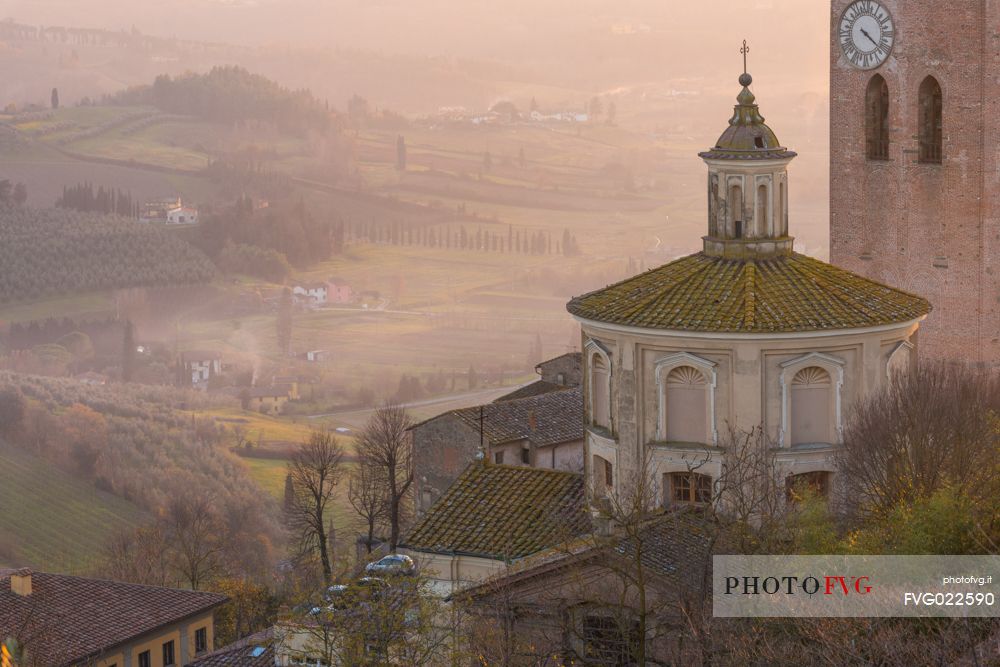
(931, 106)
(600, 390)
(811, 406)
(686, 409)
(761, 223)
(781, 220)
(735, 208)
(877, 119)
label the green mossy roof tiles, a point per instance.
(783, 294)
(546, 419)
(503, 512)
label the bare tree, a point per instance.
(748, 497)
(316, 469)
(925, 429)
(194, 534)
(367, 492)
(138, 556)
(385, 446)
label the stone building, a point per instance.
(745, 334)
(544, 431)
(492, 516)
(564, 370)
(556, 374)
(914, 159)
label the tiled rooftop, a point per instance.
(669, 544)
(503, 512)
(783, 294)
(536, 388)
(80, 617)
(257, 650)
(545, 419)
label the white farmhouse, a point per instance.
(315, 293)
(182, 215)
(201, 365)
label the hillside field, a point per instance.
(52, 520)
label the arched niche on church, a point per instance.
(685, 389)
(900, 359)
(599, 370)
(811, 382)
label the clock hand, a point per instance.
(865, 33)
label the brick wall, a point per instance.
(929, 229)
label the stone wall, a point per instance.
(442, 448)
(564, 370)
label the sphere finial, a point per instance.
(745, 80)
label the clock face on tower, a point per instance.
(866, 33)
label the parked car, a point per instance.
(393, 564)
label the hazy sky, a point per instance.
(590, 45)
(509, 29)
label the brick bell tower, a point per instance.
(914, 157)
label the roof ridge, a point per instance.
(551, 471)
(750, 297)
(4, 574)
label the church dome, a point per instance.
(747, 137)
(783, 294)
(748, 279)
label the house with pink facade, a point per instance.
(339, 291)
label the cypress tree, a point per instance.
(128, 352)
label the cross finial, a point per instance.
(745, 50)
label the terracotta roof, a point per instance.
(75, 617)
(781, 294)
(670, 543)
(547, 419)
(257, 650)
(536, 388)
(503, 512)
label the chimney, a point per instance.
(532, 421)
(20, 582)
